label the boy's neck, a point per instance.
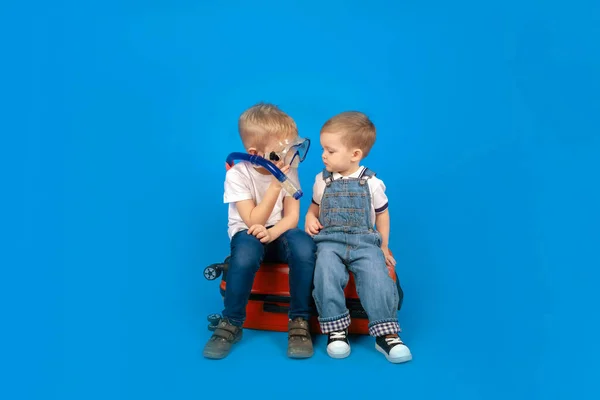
(350, 170)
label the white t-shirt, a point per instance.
(379, 200)
(243, 182)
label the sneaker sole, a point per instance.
(339, 355)
(299, 356)
(214, 356)
(219, 356)
(396, 360)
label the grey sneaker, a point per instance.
(299, 340)
(224, 336)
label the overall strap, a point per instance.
(366, 174)
(327, 176)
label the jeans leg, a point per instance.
(298, 249)
(331, 278)
(376, 289)
(246, 255)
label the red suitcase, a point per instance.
(269, 301)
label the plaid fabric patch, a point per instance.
(337, 325)
(384, 328)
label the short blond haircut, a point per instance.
(262, 122)
(356, 129)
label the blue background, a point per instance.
(117, 118)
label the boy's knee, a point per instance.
(243, 242)
(380, 282)
(300, 244)
(246, 252)
(330, 273)
(242, 263)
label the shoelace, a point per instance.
(393, 340)
(338, 335)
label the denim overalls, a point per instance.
(349, 242)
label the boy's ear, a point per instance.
(357, 154)
(253, 151)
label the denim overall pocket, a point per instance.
(344, 209)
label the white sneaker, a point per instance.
(393, 349)
(337, 344)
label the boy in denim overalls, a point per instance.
(348, 201)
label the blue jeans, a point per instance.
(295, 247)
(339, 253)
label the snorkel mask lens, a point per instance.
(293, 153)
(297, 152)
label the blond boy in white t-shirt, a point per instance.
(350, 222)
(262, 226)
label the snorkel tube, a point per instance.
(269, 166)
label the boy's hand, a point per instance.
(389, 260)
(312, 226)
(260, 232)
(285, 169)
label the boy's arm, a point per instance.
(382, 219)
(258, 214)
(313, 211)
(312, 225)
(291, 215)
(382, 224)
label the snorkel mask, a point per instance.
(292, 152)
(286, 183)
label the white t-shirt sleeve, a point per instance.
(380, 200)
(318, 189)
(237, 187)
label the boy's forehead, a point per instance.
(331, 137)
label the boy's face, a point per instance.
(272, 145)
(290, 150)
(336, 156)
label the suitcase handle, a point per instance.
(275, 308)
(279, 309)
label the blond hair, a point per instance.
(262, 122)
(356, 128)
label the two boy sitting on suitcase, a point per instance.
(347, 202)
